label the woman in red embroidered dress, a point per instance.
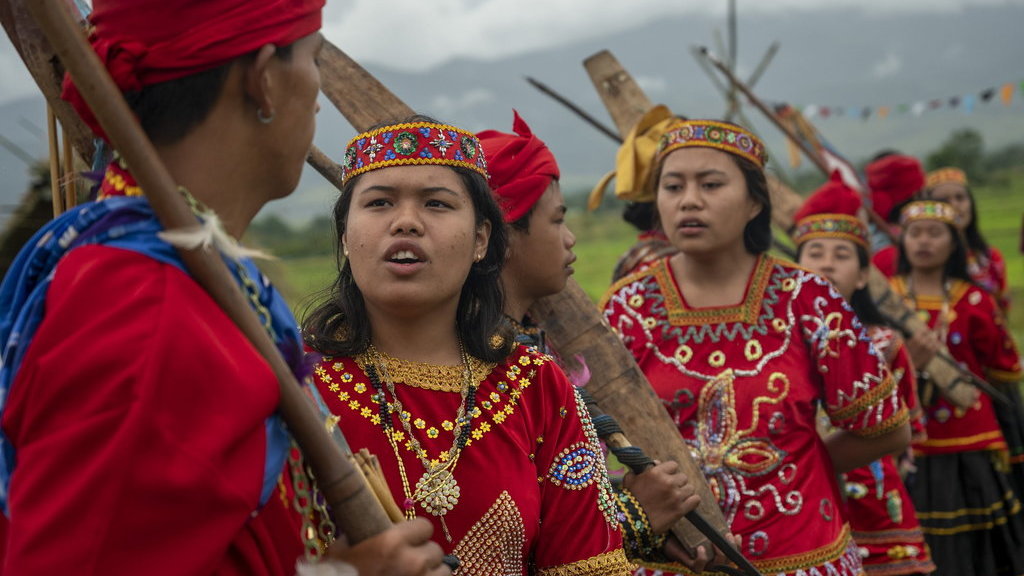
(833, 242)
(968, 506)
(483, 437)
(743, 348)
(985, 263)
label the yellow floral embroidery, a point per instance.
(683, 354)
(753, 350)
(717, 359)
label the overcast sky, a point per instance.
(418, 34)
(429, 32)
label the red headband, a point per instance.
(520, 165)
(144, 42)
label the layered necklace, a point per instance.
(436, 491)
(943, 318)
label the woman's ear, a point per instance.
(483, 239)
(862, 278)
(258, 81)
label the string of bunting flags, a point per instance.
(965, 103)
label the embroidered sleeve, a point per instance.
(623, 308)
(612, 563)
(992, 341)
(579, 516)
(859, 393)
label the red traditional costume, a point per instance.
(967, 504)
(877, 504)
(139, 432)
(502, 458)
(534, 495)
(744, 384)
(985, 264)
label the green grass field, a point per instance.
(602, 237)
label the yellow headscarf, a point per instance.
(635, 158)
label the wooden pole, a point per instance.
(68, 174)
(356, 512)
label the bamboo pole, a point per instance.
(51, 136)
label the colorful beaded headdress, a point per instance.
(928, 210)
(841, 226)
(719, 135)
(413, 143)
(831, 212)
(945, 176)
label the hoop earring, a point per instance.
(264, 119)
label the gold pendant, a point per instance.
(437, 491)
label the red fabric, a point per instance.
(887, 260)
(743, 384)
(977, 338)
(138, 419)
(512, 511)
(520, 166)
(989, 272)
(834, 197)
(145, 42)
(893, 180)
(878, 506)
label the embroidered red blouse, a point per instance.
(744, 383)
(534, 492)
(978, 339)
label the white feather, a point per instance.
(210, 233)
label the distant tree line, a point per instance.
(284, 240)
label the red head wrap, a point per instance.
(520, 165)
(893, 180)
(145, 42)
(831, 212)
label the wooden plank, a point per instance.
(46, 69)
(358, 95)
(621, 95)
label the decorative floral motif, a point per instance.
(410, 144)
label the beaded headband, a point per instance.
(945, 176)
(413, 143)
(841, 226)
(718, 135)
(928, 210)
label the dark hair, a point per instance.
(522, 224)
(169, 110)
(642, 215)
(340, 325)
(956, 265)
(861, 302)
(757, 234)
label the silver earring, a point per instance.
(264, 119)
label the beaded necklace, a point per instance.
(436, 491)
(942, 321)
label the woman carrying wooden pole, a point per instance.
(132, 405)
